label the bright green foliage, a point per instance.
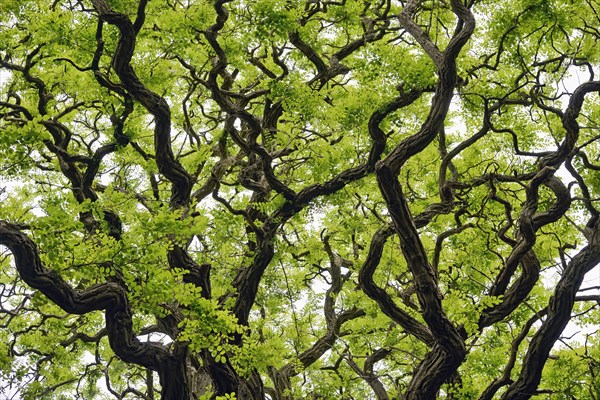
(78, 146)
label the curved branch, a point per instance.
(385, 301)
(504, 380)
(449, 349)
(406, 19)
(156, 105)
(559, 312)
(108, 297)
(367, 373)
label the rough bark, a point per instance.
(449, 348)
(558, 315)
(108, 297)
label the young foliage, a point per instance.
(299, 199)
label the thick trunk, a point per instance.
(184, 379)
(282, 383)
(559, 312)
(198, 380)
(437, 368)
(225, 380)
(252, 388)
(174, 380)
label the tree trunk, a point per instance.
(174, 380)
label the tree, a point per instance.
(298, 199)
